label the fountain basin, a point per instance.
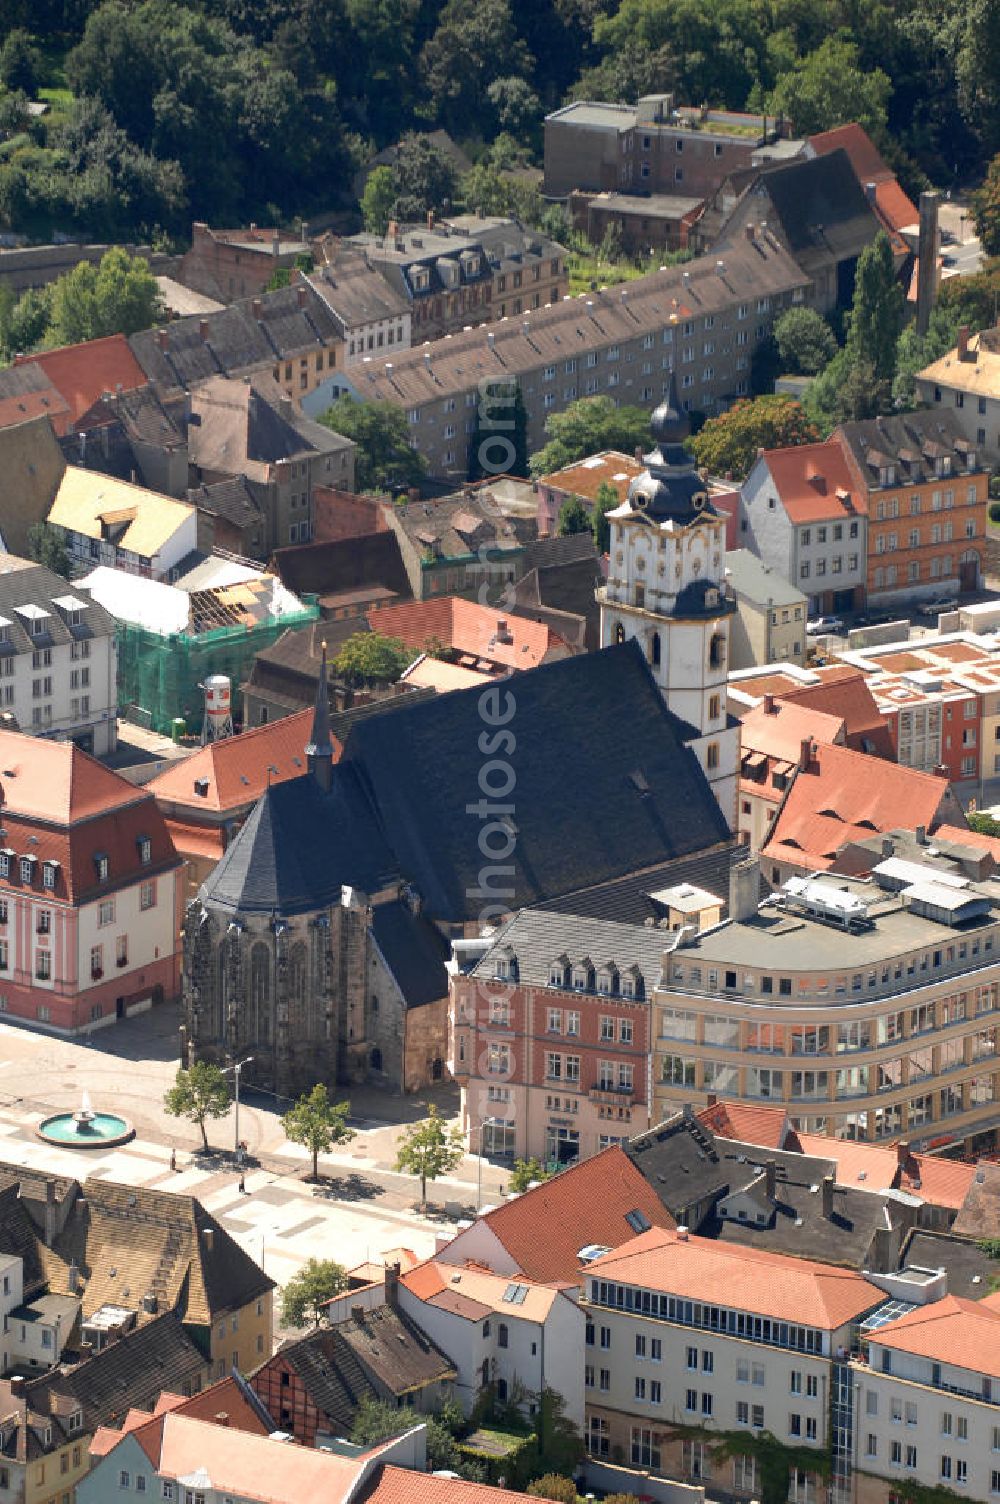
(85, 1129)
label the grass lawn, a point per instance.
(583, 270)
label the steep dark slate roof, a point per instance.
(130, 1374)
(545, 553)
(299, 847)
(414, 952)
(394, 1351)
(18, 1236)
(821, 205)
(604, 783)
(627, 899)
(231, 499)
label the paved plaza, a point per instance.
(362, 1208)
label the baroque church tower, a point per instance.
(666, 589)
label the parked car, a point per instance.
(821, 626)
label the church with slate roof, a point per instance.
(318, 944)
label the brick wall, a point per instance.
(341, 514)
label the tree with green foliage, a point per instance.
(573, 518)
(517, 106)
(986, 209)
(728, 443)
(557, 1445)
(378, 200)
(423, 176)
(370, 658)
(915, 351)
(474, 43)
(317, 1124)
(805, 341)
(556, 224)
(973, 300)
(198, 1093)
(384, 460)
(525, 1171)
(119, 296)
(377, 1420)
(47, 545)
(487, 189)
(499, 441)
(588, 426)
(877, 312)
(308, 1290)
(429, 1149)
(553, 1486)
(606, 501)
(831, 86)
(986, 825)
(20, 63)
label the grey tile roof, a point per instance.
(232, 499)
(538, 936)
(345, 564)
(912, 442)
(819, 204)
(750, 577)
(627, 899)
(971, 1272)
(330, 1373)
(356, 292)
(23, 583)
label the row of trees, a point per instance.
(118, 296)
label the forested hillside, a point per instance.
(163, 111)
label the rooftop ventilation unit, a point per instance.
(805, 895)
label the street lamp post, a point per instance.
(236, 1067)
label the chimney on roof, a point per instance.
(805, 753)
(638, 453)
(430, 219)
(490, 339)
(203, 330)
(300, 294)
(827, 1191)
(744, 889)
(17, 1383)
(750, 231)
(927, 257)
(221, 1418)
(870, 192)
(358, 1315)
(682, 1234)
(888, 846)
(963, 342)
(73, 1278)
(769, 705)
(710, 1099)
(257, 308)
(319, 752)
(921, 835)
(208, 1238)
(770, 1179)
(392, 1286)
(276, 243)
(902, 1153)
(50, 1213)
(392, 230)
(162, 339)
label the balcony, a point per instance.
(612, 1096)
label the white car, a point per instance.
(821, 626)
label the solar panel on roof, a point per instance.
(515, 1295)
(638, 1221)
(890, 1311)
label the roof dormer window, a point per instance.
(608, 980)
(583, 976)
(27, 869)
(557, 971)
(145, 846)
(49, 870)
(102, 866)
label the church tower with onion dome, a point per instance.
(666, 588)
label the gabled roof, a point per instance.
(845, 694)
(26, 392)
(753, 1124)
(393, 1351)
(88, 502)
(250, 425)
(473, 631)
(32, 465)
(814, 483)
(893, 206)
(237, 770)
(939, 1182)
(912, 442)
(538, 936)
(751, 578)
(81, 374)
(254, 1467)
(751, 1279)
(583, 1206)
(225, 1403)
(962, 1333)
(844, 796)
(472, 1292)
(397, 1485)
(777, 730)
(820, 206)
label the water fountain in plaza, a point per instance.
(85, 1128)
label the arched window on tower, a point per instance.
(717, 650)
(654, 650)
(619, 632)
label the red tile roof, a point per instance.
(766, 1126)
(814, 483)
(197, 840)
(222, 1403)
(939, 1182)
(780, 731)
(397, 1485)
(975, 838)
(47, 404)
(846, 695)
(81, 374)
(585, 1204)
(236, 769)
(892, 205)
(753, 1279)
(61, 805)
(471, 630)
(845, 796)
(965, 1333)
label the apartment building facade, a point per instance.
(702, 321)
(688, 1338)
(867, 1008)
(58, 661)
(90, 887)
(966, 383)
(650, 147)
(233, 264)
(804, 514)
(549, 1037)
(927, 490)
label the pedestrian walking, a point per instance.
(243, 1186)
(173, 1159)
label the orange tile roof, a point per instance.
(780, 731)
(81, 374)
(222, 1399)
(963, 837)
(584, 479)
(397, 1485)
(965, 1333)
(35, 405)
(753, 1279)
(469, 629)
(846, 796)
(197, 840)
(585, 1204)
(939, 1182)
(848, 696)
(956, 652)
(808, 478)
(236, 769)
(471, 1290)
(766, 1126)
